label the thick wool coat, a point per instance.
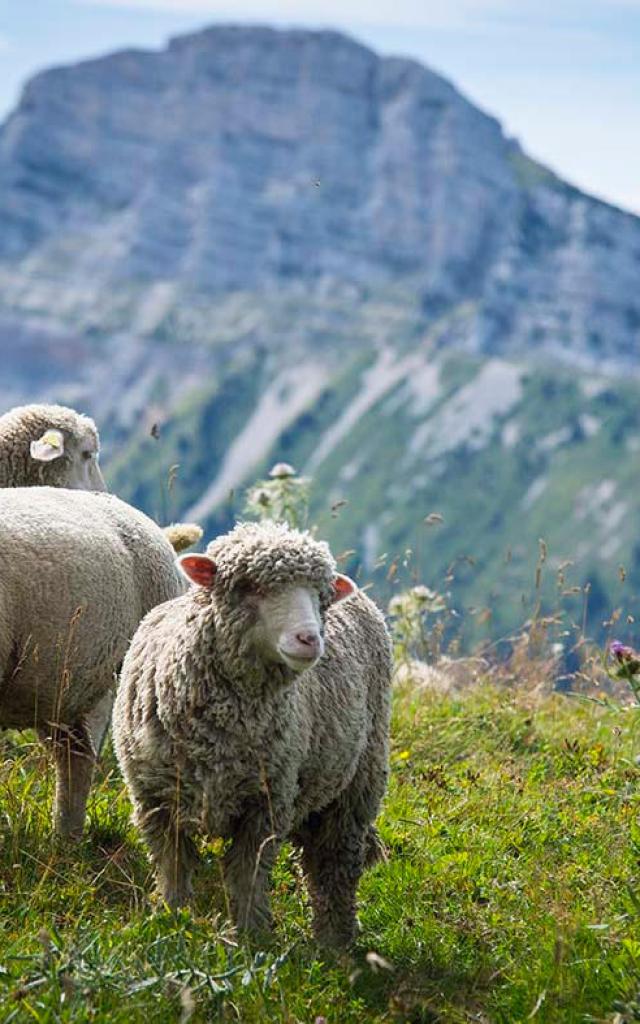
(78, 571)
(213, 739)
(24, 424)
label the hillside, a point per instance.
(508, 453)
(281, 245)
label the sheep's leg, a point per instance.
(166, 815)
(74, 759)
(247, 870)
(337, 843)
(333, 857)
(98, 720)
(173, 852)
(375, 849)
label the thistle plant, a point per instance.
(626, 665)
(283, 498)
(415, 631)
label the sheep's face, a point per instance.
(69, 460)
(282, 626)
(288, 627)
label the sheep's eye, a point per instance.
(87, 455)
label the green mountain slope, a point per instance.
(507, 452)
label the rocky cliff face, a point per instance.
(275, 243)
(250, 160)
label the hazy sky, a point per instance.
(563, 77)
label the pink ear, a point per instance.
(342, 587)
(199, 569)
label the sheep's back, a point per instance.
(152, 556)
(78, 571)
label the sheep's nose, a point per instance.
(308, 640)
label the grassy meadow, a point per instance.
(511, 892)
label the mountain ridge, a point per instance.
(412, 216)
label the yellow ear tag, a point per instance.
(48, 447)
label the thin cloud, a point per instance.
(416, 14)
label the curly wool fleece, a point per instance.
(26, 423)
(212, 738)
(272, 556)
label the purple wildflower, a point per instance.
(626, 663)
(622, 652)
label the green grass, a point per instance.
(512, 890)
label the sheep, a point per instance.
(450, 677)
(50, 445)
(256, 708)
(78, 571)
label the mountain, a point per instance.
(281, 245)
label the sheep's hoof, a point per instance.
(261, 938)
(68, 833)
(339, 939)
(375, 850)
(257, 928)
(173, 900)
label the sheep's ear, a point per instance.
(48, 447)
(342, 587)
(198, 569)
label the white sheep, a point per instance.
(50, 445)
(449, 677)
(78, 571)
(256, 708)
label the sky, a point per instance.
(563, 77)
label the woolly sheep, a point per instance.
(256, 708)
(449, 677)
(78, 571)
(59, 447)
(49, 445)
